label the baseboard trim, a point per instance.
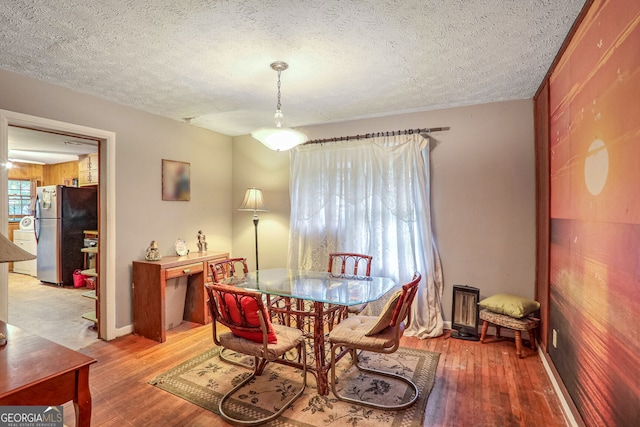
(567, 407)
(124, 331)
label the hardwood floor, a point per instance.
(476, 384)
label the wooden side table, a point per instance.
(37, 372)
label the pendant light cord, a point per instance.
(278, 106)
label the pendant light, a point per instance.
(279, 138)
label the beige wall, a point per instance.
(142, 141)
(483, 193)
(482, 185)
(254, 165)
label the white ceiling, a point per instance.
(347, 59)
(33, 146)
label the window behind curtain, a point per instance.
(20, 194)
(369, 196)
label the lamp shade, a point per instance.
(253, 201)
(9, 251)
(279, 139)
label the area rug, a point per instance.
(205, 378)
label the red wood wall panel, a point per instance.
(594, 264)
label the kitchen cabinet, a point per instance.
(88, 169)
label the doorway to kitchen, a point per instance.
(106, 196)
(53, 212)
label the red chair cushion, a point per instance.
(250, 308)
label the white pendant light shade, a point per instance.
(279, 138)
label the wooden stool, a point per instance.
(529, 324)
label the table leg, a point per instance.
(82, 398)
(318, 348)
(311, 320)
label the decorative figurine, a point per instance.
(202, 242)
(153, 253)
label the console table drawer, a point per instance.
(184, 270)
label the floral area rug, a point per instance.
(204, 379)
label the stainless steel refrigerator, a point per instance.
(62, 214)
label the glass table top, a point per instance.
(319, 286)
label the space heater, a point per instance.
(465, 313)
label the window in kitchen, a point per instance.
(19, 197)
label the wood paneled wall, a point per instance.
(45, 174)
(59, 174)
(26, 171)
(589, 215)
(542, 206)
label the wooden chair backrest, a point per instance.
(403, 307)
(348, 263)
(227, 268)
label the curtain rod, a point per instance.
(377, 134)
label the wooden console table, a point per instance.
(150, 280)
(36, 371)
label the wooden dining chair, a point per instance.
(350, 264)
(379, 334)
(228, 269)
(252, 334)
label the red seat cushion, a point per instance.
(250, 308)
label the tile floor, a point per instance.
(52, 312)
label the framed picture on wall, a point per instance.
(176, 180)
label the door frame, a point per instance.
(107, 215)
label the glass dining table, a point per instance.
(313, 301)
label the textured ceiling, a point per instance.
(347, 59)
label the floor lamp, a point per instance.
(253, 201)
(10, 252)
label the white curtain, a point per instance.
(369, 196)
